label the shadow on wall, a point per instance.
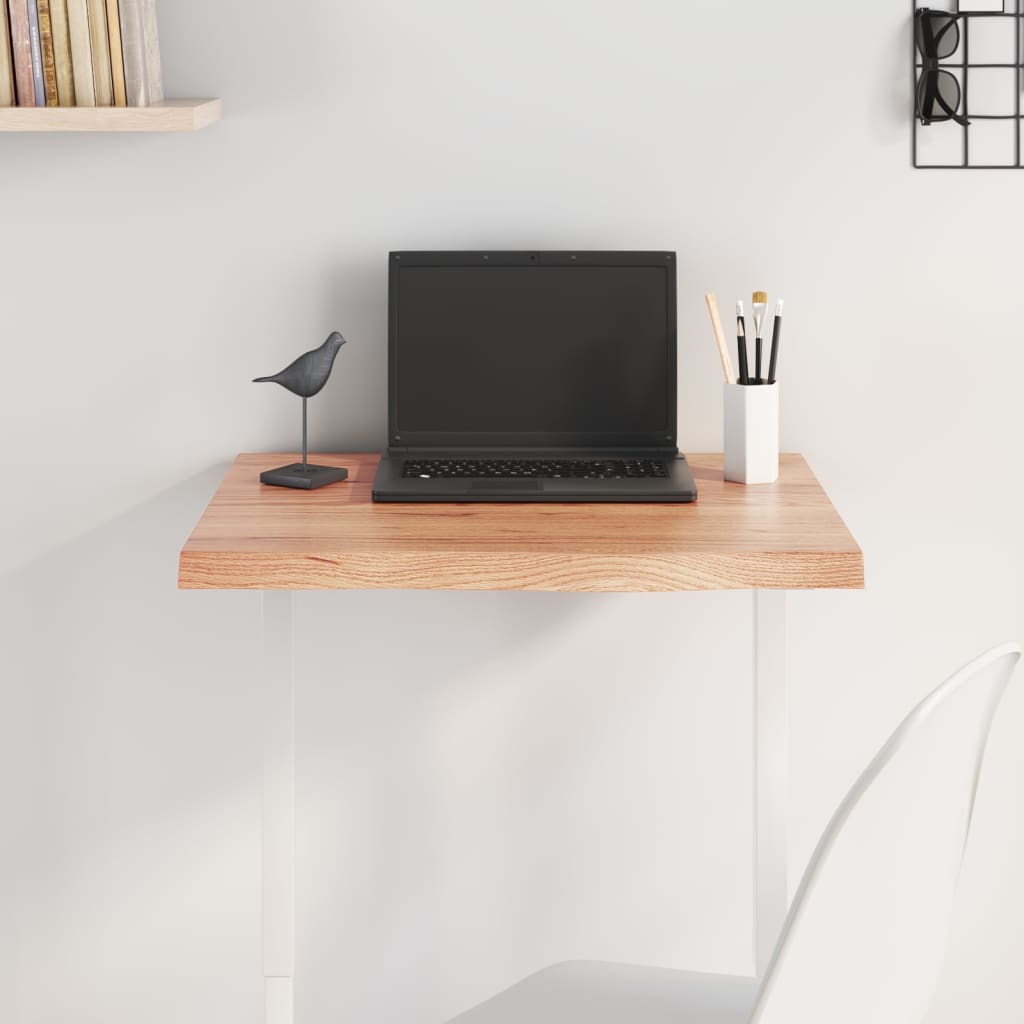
(129, 746)
(488, 783)
(129, 707)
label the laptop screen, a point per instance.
(533, 349)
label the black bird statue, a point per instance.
(306, 377)
(308, 374)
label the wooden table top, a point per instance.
(785, 535)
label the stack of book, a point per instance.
(84, 53)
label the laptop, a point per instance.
(532, 377)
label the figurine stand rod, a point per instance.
(304, 459)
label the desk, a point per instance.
(768, 539)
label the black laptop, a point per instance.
(532, 377)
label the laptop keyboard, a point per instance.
(547, 469)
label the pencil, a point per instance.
(723, 348)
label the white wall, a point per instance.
(533, 796)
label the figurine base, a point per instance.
(306, 478)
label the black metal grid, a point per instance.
(965, 66)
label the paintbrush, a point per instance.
(741, 343)
(760, 301)
(776, 335)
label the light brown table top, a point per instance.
(785, 535)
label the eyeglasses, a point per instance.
(937, 34)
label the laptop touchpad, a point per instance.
(505, 485)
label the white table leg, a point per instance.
(278, 806)
(771, 773)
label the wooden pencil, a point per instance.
(723, 348)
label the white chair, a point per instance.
(863, 942)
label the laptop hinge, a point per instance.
(667, 451)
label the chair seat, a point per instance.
(590, 992)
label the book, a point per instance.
(100, 40)
(81, 53)
(8, 94)
(21, 51)
(62, 52)
(116, 56)
(46, 45)
(141, 46)
(38, 86)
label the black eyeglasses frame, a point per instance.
(928, 93)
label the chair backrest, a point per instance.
(865, 937)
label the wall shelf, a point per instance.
(169, 116)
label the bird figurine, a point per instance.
(308, 374)
(306, 377)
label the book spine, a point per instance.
(100, 52)
(38, 86)
(141, 45)
(8, 93)
(81, 53)
(21, 49)
(134, 53)
(62, 53)
(116, 54)
(46, 45)
(151, 38)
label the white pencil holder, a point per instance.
(752, 433)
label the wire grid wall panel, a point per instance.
(988, 65)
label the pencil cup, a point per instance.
(752, 433)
